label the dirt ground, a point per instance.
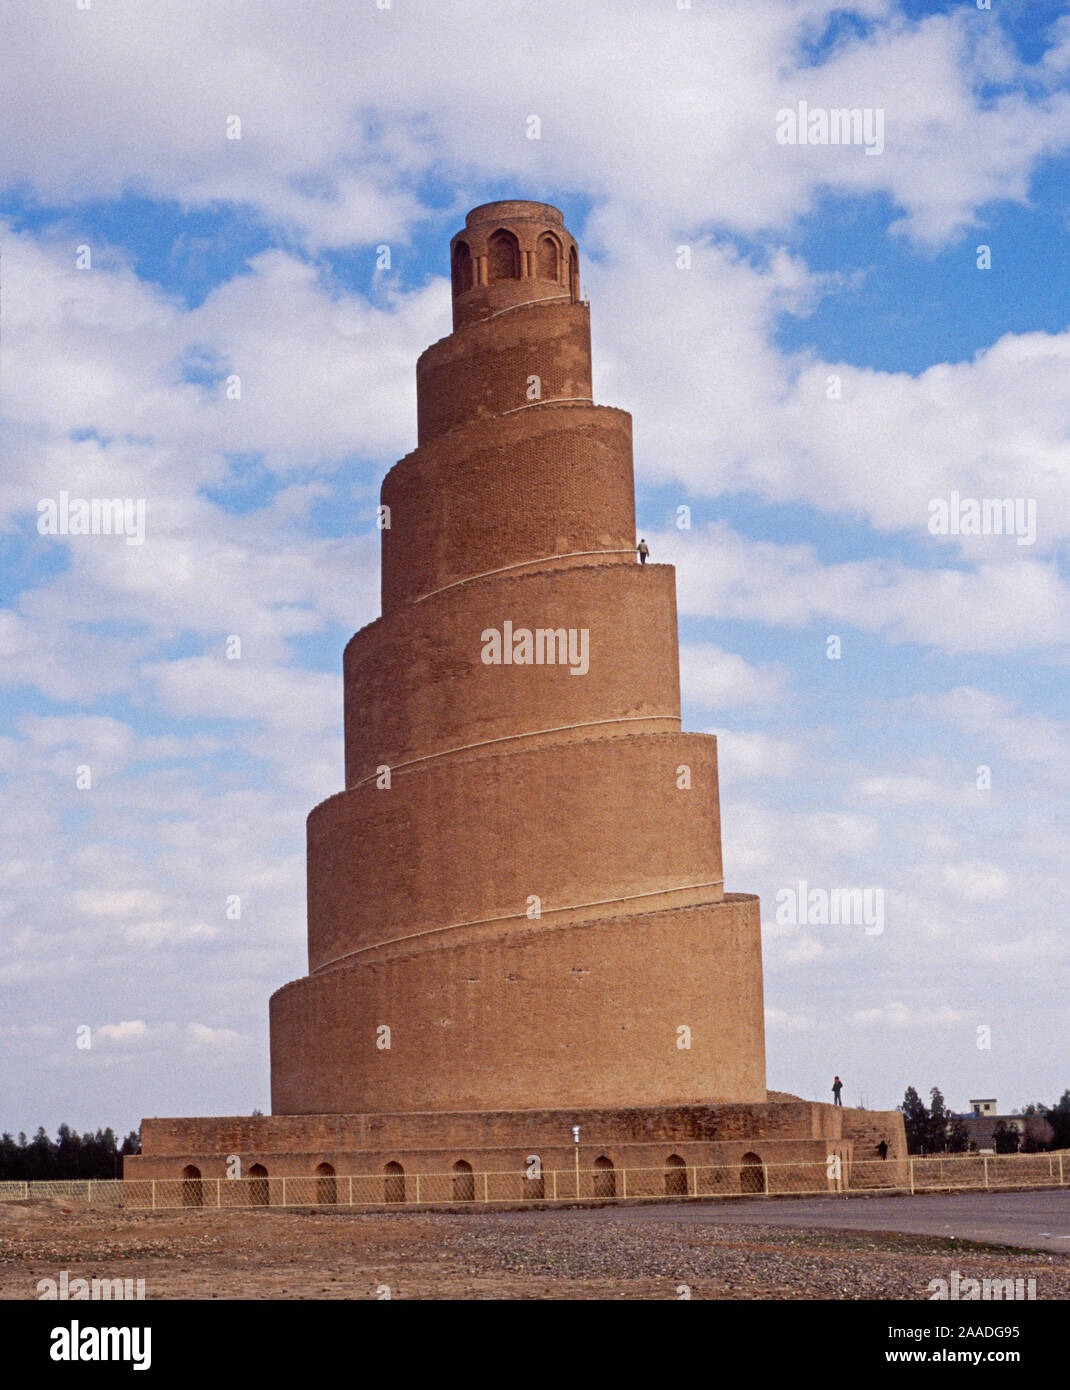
(562, 1254)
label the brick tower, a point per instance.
(517, 924)
(522, 879)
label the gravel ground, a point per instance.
(570, 1254)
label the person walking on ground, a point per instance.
(837, 1087)
(882, 1148)
(643, 549)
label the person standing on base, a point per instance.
(882, 1148)
(837, 1087)
(643, 549)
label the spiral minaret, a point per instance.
(517, 902)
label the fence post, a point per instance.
(486, 1188)
(986, 1170)
(154, 1194)
(912, 1175)
(416, 1199)
(1060, 1169)
(624, 1182)
(284, 1192)
(351, 1189)
(553, 1184)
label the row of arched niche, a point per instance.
(506, 261)
(752, 1179)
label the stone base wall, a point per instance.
(865, 1129)
(724, 1148)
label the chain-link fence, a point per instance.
(106, 1191)
(395, 1187)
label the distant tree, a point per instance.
(10, 1158)
(1006, 1138)
(41, 1157)
(934, 1128)
(1038, 1134)
(939, 1122)
(915, 1121)
(1047, 1126)
(87, 1163)
(69, 1152)
(102, 1158)
(958, 1135)
(70, 1155)
(1058, 1116)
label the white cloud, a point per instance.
(993, 608)
(714, 678)
(782, 1021)
(977, 881)
(1021, 738)
(802, 951)
(128, 1033)
(283, 697)
(719, 408)
(897, 1014)
(344, 110)
(118, 902)
(1034, 949)
(104, 351)
(681, 121)
(911, 790)
(751, 754)
(200, 1035)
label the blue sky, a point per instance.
(362, 128)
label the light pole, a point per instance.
(576, 1152)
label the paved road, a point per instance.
(1033, 1220)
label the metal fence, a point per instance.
(106, 1191)
(395, 1188)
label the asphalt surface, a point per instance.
(1030, 1220)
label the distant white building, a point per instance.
(984, 1117)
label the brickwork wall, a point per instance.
(498, 1175)
(555, 480)
(585, 823)
(501, 1144)
(212, 1160)
(488, 291)
(415, 682)
(486, 370)
(586, 1014)
(496, 1130)
(419, 892)
(866, 1129)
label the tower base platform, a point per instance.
(782, 1145)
